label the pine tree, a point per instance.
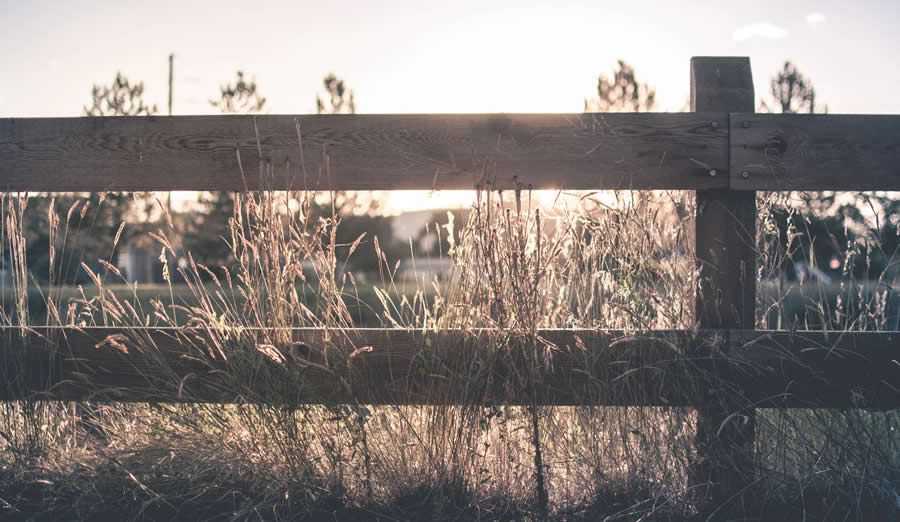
(623, 93)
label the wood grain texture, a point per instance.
(815, 152)
(725, 225)
(721, 83)
(842, 369)
(613, 368)
(371, 152)
(725, 232)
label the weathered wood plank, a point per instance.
(614, 368)
(367, 365)
(725, 225)
(372, 152)
(809, 369)
(815, 152)
(576, 151)
(725, 228)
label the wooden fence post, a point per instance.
(726, 297)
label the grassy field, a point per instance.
(781, 305)
(622, 266)
(362, 302)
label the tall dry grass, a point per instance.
(619, 260)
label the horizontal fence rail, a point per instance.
(452, 151)
(691, 151)
(388, 366)
(814, 152)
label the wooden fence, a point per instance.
(722, 150)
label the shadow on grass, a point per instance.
(157, 485)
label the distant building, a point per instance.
(137, 262)
(427, 269)
(419, 229)
(412, 226)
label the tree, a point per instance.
(808, 234)
(206, 236)
(340, 98)
(340, 101)
(240, 97)
(91, 221)
(622, 93)
(354, 214)
(830, 232)
(119, 99)
(791, 92)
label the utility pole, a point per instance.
(171, 77)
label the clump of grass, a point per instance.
(793, 229)
(519, 268)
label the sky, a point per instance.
(417, 56)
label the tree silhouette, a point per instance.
(340, 98)
(239, 97)
(791, 92)
(827, 228)
(119, 99)
(97, 216)
(206, 235)
(623, 93)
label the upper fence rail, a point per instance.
(691, 151)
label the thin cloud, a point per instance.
(815, 18)
(760, 30)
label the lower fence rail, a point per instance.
(677, 368)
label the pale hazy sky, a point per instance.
(453, 56)
(419, 56)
